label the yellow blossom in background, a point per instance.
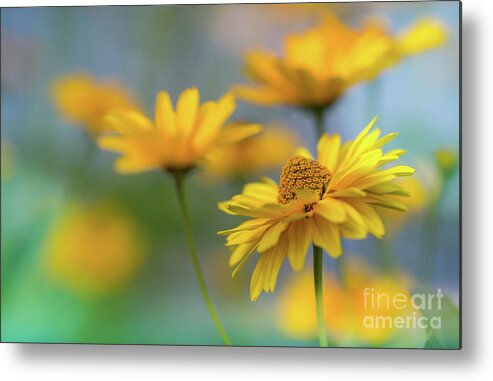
(316, 201)
(424, 190)
(421, 36)
(177, 139)
(93, 250)
(447, 161)
(320, 64)
(257, 154)
(84, 100)
(346, 308)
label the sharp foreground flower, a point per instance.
(320, 200)
(85, 100)
(320, 64)
(177, 139)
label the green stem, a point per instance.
(318, 280)
(319, 121)
(318, 253)
(318, 112)
(179, 182)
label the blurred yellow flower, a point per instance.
(257, 154)
(447, 162)
(423, 189)
(317, 200)
(349, 310)
(85, 100)
(93, 250)
(320, 64)
(175, 140)
(423, 35)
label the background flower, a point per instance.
(84, 100)
(320, 64)
(176, 139)
(346, 309)
(255, 155)
(93, 249)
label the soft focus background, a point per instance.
(59, 191)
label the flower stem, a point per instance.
(179, 177)
(318, 254)
(319, 121)
(318, 280)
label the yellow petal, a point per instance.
(164, 114)
(234, 133)
(388, 188)
(387, 202)
(128, 122)
(266, 271)
(423, 35)
(326, 235)
(330, 209)
(112, 143)
(247, 225)
(212, 117)
(328, 151)
(240, 252)
(298, 236)
(353, 216)
(271, 237)
(129, 166)
(371, 217)
(302, 151)
(246, 236)
(186, 110)
(261, 95)
(348, 192)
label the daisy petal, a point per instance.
(326, 235)
(330, 209)
(186, 110)
(298, 237)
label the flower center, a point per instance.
(302, 173)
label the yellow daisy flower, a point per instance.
(320, 64)
(176, 139)
(275, 144)
(317, 201)
(85, 100)
(93, 250)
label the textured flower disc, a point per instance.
(302, 173)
